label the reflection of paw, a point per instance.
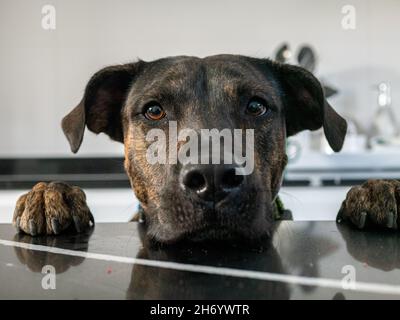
(375, 203)
(51, 208)
(378, 250)
(36, 260)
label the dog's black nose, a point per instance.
(211, 182)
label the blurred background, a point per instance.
(353, 47)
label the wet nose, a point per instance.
(211, 182)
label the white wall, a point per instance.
(43, 73)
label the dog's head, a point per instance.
(202, 201)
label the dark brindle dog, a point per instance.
(205, 201)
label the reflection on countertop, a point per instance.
(92, 267)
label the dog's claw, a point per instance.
(55, 225)
(32, 227)
(339, 217)
(91, 220)
(18, 224)
(363, 218)
(78, 224)
(391, 220)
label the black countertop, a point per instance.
(308, 260)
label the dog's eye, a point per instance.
(154, 111)
(256, 107)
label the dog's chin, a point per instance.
(233, 229)
(237, 218)
(207, 234)
(224, 234)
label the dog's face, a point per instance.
(204, 201)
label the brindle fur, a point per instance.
(205, 93)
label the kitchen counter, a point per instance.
(307, 260)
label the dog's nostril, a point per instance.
(211, 183)
(194, 180)
(230, 179)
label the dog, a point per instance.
(182, 201)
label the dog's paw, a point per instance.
(374, 203)
(52, 208)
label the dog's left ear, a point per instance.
(101, 106)
(306, 106)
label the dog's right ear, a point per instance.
(101, 106)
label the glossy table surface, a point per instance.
(307, 260)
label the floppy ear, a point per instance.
(101, 106)
(306, 106)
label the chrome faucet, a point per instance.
(385, 125)
(384, 95)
